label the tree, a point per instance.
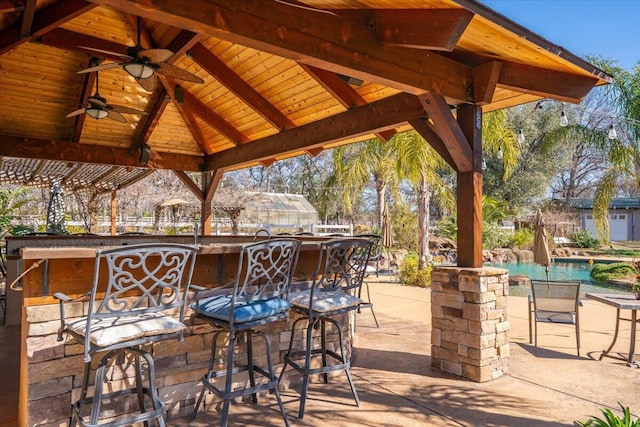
(418, 162)
(623, 152)
(355, 165)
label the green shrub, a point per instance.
(411, 275)
(611, 420)
(584, 239)
(521, 238)
(613, 271)
(494, 236)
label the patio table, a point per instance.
(621, 302)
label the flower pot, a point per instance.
(637, 294)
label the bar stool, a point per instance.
(338, 278)
(258, 295)
(127, 309)
(374, 256)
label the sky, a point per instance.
(606, 28)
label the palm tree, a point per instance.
(355, 165)
(623, 151)
(418, 162)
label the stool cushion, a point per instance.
(325, 301)
(108, 331)
(219, 307)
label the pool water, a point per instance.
(557, 271)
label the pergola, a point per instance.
(281, 78)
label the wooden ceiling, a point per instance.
(274, 77)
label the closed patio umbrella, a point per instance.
(540, 245)
(387, 234)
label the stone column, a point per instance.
(470, 329)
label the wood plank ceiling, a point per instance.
(254, 81)
(274, 76)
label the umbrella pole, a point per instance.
(546, 270)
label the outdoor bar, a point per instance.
(251, 83)
(49, 380)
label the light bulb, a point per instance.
(564, 121)
(612, 132)
(521, 137)
(484, 164)
(499, 154)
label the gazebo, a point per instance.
(209, 86)
(279, 79)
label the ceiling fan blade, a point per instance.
(107, 52)
(156, 55)
(126, 110)
(98, 101)
(177, 73)
(77, 112)
(114, 115)
(148, 84)
(100, 67)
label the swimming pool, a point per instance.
(557, 271)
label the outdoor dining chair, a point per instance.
(135, 294)
(259, 295)
(373, 266)
(338, 278)
(554, 302)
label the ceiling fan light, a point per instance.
(96, 113)
(139, 71)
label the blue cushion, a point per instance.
(219, 307)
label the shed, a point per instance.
(623, 217)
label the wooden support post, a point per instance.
(114, 205)
(469, 191)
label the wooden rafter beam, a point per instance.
(342, 92)
(182, 43)
(432, 29)
(34, 148)
(226, 76)
(545, 83)
(150, 121)
(190, 184)
(45, 20)
(26, 19)
(72, 41)
(385, 114)
(85, 93)
(448, 129)
(425, 129)
(324, 40)
(7, 6)
(213, 119)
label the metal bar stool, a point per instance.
(127, 309)
(375, 255)
(259, 295)
(338, 278)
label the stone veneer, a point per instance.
(470, 329)
(54, 369)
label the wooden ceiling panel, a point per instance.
(103, 23)
(172, 132)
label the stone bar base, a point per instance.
(470, 329)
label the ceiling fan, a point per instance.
(98, 108)
(142, 65)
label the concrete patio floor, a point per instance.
(545, 386)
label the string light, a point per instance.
(564, 121)
(612, 132)
(484, 164)
(499, 154)
(521, 137)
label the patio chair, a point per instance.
(554, 302)
(259, 295)
(334, 291)
(373, 266)
(130, 305)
